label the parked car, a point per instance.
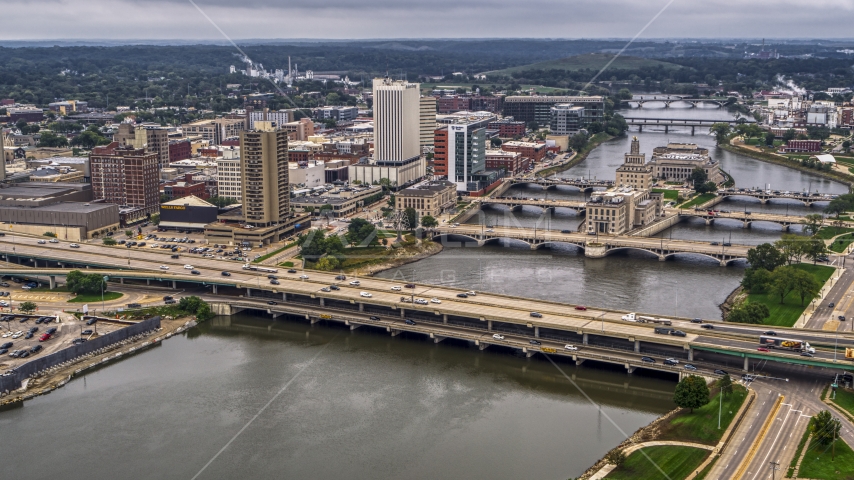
(36, 349)
(45, 337)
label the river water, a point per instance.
(359, 405)
(283, 399)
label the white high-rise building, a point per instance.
(228, 174)
(397, 121)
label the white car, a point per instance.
(489, 230)
(571, 348)
(188, 267)
(672, 360)
(18, 334)
(4, 303)
(53, 240)
(435, 300)
(355, 283)
(42, 242)
(497, 336)
(471, 293)
(164, 267)
(7, 334)
(420, 301)
(304, 277)
(396, 288)
(365, 294)
(74, 245)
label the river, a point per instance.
(359, 405)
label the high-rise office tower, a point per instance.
(397, 121)
(428, 120)
(264, 175)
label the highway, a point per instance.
(500, 308)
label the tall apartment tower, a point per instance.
(428, 120)
(126, 176)
(264, 175)
(635, 172)
(397, 121)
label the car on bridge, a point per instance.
(496, 336)
(74, 245)
(53, 240)
(721, 372)
(535, 314)
(648, 359)
(707, 326)
(226, 274)
(409, 322)
(580, 307)
(571, 348)
(535, 342)
(42, 242)
(770, 333)
(763, 349)
(195, 272)
(188, 267)
(355, 283)
(396, 288)
(688, 366)
(365, 294)
(271, 302)
(435, 300)
(164, 267)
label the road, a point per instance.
(841, 294)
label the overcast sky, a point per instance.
(179, 19)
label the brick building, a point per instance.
(440, 152)
(511, 162)
(803, 146)
(534, 151)
(127, 177)
(179, 150)
(508, 128)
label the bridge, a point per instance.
(808, 199)
(552, 183)
(598, 246)
(667, 100)
(543, 203)
(746, 218)
(641, 122)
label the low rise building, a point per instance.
(56, 174)
(534, 151)
(345, 201)
(677, 161)
(187, 213)
(508, 128)
(617, 211)
(429, 198)
(308, 174)
(808, 146)
(511, 163)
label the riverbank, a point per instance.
(61, 375)
(579, 157)
(398, 257)
(785, 162)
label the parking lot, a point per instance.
(27, 336)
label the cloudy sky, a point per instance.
(179, 19)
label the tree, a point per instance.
(411, 217)
(838, 205)
(222, 201)
(496, 142)
(814, 248)
(706, 187)
(89, 140)
(752, 313)
(699, 177)
(721, 131)
(616, 456)
(327, 263)
(725, 384)
(109, 241)
(769, 139)
(128, 233)
(78, 282)
(824, 428)
(49, 234)
(789, 135)
(765, 256)
(391, 201)
(578, 141)
(28, 307)
(846, 145)
(756, 280)
(791, 246)
(781, 282)
(803, 284)
(813, 223)
(533, 126)
(692, 392)
(154, 219)
(52, 140)
(361, 232)
(385, 183)
(428, 221)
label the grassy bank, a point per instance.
(592, 143)
(702, 425)
(698, 200)
(671, 195)
(381, 257)
(87, 298)
(787, 313)
(794, 463)
(274, 253)
(840, 244)
(828, 232)
(818, 465)
(845, 400)
(675, 461)
(791, 163)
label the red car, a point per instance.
(44, 337)
(580, 307)
(763, 349)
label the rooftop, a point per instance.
(190, 200)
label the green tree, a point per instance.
(782, 281)
(27, 307)
(624, 94)
(691, 392)
(838, 205)
(721, 131)
(699, 177)
(361, 232)
(327, 263)
(52, 140)
(824, 428)
(791, 246)
(428, 221)
(725, 384)
(154, 219)
(78, 282)
(496, 142)
(578, 141)
(752, 313)
(222, 201)
(814, 248)
(312, 244)
(813, 223)
(765, 256)
(49, 234)
(804, 284)
(128, 233)
(89, 140)
(411, 217)
(769, 139)
(109, 241)
(533, 126)
(756, 280)
(789, 135)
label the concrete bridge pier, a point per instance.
(52, 279)
(629, 369)
(393, 333)
(662, 258)
(445, 318)
(284, 297)
(148, 281)
(361, 307)
(666, 130)
(480, 345)
(745, 224)
(640, 128)
(763, 201)
(786, 228)
(528, 353)
(578, 361)
(403, 313)
(637, 346)
(692, 131)
(710, 221)
(584, 339)
(175, 285)
(724, 263)
(248, 292)
(489, 325)
(690, 354)
(436, 338)
(746, 364)
(536, 332)
(213, 289)
(323, 302)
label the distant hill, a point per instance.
(592, 61)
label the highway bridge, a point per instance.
(597, 246)
(667, 100)
(641, 122)
(553, 183)
(485, 313)
(746, 218)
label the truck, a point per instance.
(849, 353)
(256, 268)
(633, 317)
(785, 344)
